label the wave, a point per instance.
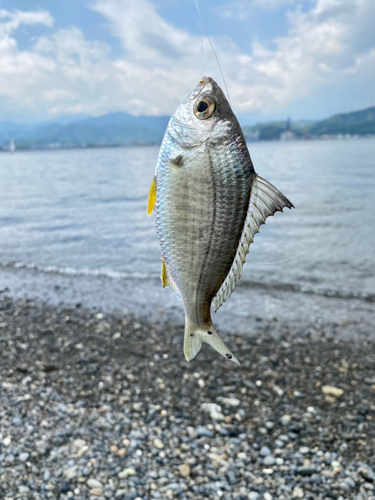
(290, 287)
(126, 275)
(70, 271)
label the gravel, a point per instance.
(99, 406)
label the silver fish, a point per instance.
(209, 204)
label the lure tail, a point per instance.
(195, 336)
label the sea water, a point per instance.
(82, 213)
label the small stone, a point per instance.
(306, 470)
(113, 448)
(94, 483)
(367, 473)
(265, 451)
(203, 432)
(304, 450)
(350, 482)
(65, 487)
(120, 492)
(185, 470)
(217, 416)
(126, 473)
(253, 495)
(209, 407)
(297, 492)
(231, 402)
(70, 473)
(23, 457)
(158, 443)
(191, 431)
(344, 486)
(330, 390)
(285, 420)
(330, 399)
(96, 492)
(267, 496)
(269, 460)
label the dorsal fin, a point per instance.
(264, 201)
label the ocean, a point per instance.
(74, 221)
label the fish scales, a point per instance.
(203, 188)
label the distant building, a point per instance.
(288, 134)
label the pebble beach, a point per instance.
(97, 405)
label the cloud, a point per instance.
(13, 20)
(330, 44)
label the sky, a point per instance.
(306, 59)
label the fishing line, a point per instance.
(200, 13)
(278, 261)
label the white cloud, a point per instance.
(13, 20)
(330, 44)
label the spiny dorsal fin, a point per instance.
(264, 201)
(151, 197)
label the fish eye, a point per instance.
(204, 107)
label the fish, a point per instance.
(209, 203)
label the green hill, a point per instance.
(358, 122)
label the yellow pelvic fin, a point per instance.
(164, 276)
(151, 198)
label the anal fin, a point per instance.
(164, 275)
(167, 281)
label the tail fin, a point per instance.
(195, 336)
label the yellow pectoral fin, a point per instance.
(151, 198)
(164, 276)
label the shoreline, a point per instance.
(157, 144)
(250, 308)
(99, 404)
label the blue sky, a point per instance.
(299, 58)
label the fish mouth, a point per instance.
(205, 80)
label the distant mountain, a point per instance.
(355, 123)
(123, 129)
(107, 130)
(358, 122)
